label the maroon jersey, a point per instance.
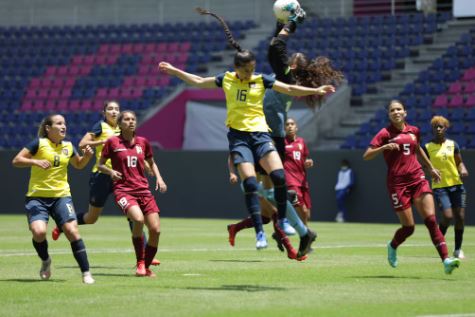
(296, 152)
(128, 159)
(403, 166)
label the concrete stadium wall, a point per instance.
(198, 187)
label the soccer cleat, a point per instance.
(451, 264)
(392, 255)
(261, 241)
(302, 258)
(286, 227)
(55, 233)
(140, 270)
(306, 243)
(87, 278)
(45, 270)
(339, 217)
(149, 273)
(280, 246)
(459, 254)
(155, 262)
(232, 234)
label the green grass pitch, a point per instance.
(201, 275)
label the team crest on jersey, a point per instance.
(413, 137)
(300, 147)
(66, 151)
(252, 84)
(138, 148)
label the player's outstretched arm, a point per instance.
(190, 79)
(88, 139)
(301, 91)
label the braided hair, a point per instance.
(242, 56)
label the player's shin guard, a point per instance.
(437, 237)
(252, 202)
(295, 220)
(280, 192)
(42, 249)
(80, 254)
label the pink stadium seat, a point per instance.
(62, 105)
(455, 88)
(97, 104)
(152, 81)
(185, 47)
(31, 94)
(35, 83)
(469, 87)
(173, 47)
(27, 105)
(101, 59)
(470, 101)
(150, 47)
(77, 60)
(144, 70)
(65, 93)
(469, 75)
(39, 105)
(140, 81)
(73, 70)
(89, 60)
(440, 101)
(138, 48)
(103, 49)
(162, 47)
(129, 81)
(137, 92)
(69, 82)
(112, 59)
(102, 93)
(125, 93)
(42, 94)
(164, 81)
(51, 71)
(113, 93)
(456, 101)
(85, 69)
(62, 71)
(74, 105)
(86, 105)
(46, 83)
(57, 83)
(54, 94)
(51, 105)
(115, 49)
(126, 48)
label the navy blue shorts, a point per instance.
(249, 146)
(60, 209)
(100, 187)
(448, 197)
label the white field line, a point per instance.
(23, 252)
(449, 315)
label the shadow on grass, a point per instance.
(113, 274)
(31, 280)
(92, 267)
(238, 261)
(399, 277)
(240, 288)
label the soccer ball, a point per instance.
(285, 8)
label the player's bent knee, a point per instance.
(250, 185)
(278, 177)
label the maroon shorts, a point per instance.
(401, 196)
(303, 196)
(145, 201)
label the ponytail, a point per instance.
(242, 56)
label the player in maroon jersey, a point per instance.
(400, 145)
(128, 153)
(296, 162)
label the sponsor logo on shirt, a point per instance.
(119, 150)
(66, 152)
(138, 148)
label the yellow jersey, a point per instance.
(245, 101)
(52, 182)
(442, 156)
(102, 131)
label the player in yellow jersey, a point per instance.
(248, 136)
(49, 193)
(449, 193)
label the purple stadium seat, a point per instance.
(51, 105)
(440, 101)
(62, 105)
(126, 48)
(455, 88)
(69, 82)
(54, 93)
(86, 105)
(469, 87)
(66, 93)
(138, 48)
(456, 101)
(469, 75)
(470, 101)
